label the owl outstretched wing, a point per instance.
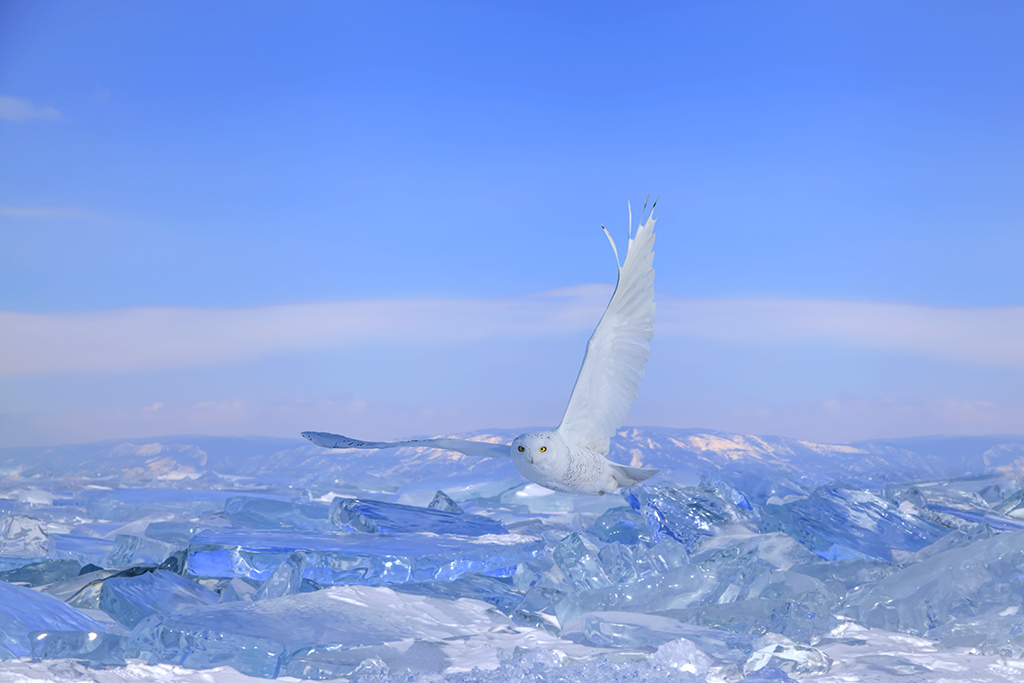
(613, 366)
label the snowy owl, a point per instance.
(572, 458)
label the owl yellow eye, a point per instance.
(543, 448)
(521, 449)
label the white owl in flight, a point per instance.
(571, 458)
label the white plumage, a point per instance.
(572, 458)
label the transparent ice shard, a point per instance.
(83, 549)
(379, 517)
(22, 538)
(82, 591)
(792, 659)
(541, 571)
(687, 513)
(42, 572)
(684, 656)
(175, 533)
(578, 560)
(621, 525)
(328, 633)
(839, 523)
(130, 599)
(674, 589)
(95, 529)
(238, 590)
(779, 550)
(538, 607)
(790, 604)
(843, 576)
(952, 508)
(618, 563)
(954, 539)
(443, 503)
(129, 550)
(248, 512)
(758, 486)
(733, 589)
(95, 647)
(666, 554)
(127, 504)
(1000, 634)
(286, 579)
(23, 610)
(725, 490)
(369, 559)
(500, 593)
(961, 583)
(1012, 506)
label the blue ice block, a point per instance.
(578, 560)
(103, 649)
(84, 549)
(286, 579)
(238, 590)
(497, 592)
(23, 537)
(983, 578)
(127, 504)
(979, 516)
(725, 490)
(23, 610)
(686, 513)
(734, 588)
(174, 532)
(443, 502)
(843, 576)
(43, 572)
(248, 512)
(954, 539)
(953, 508)
(378, 517)
(839, 523)
(618, 563)
(130, 599)
(759, 485)
(82, 591)
(621, 524)
(991, 634)
(325, 634)
(129, 549)
(368, 559)
(1011, 506)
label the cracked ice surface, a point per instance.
(752, 562)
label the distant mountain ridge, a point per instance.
(683, 455)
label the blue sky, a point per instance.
(382, 218)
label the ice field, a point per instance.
(746, 559)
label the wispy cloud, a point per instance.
(144, 338)
(15, 109)
(988, 336)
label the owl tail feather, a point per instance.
(627, 476)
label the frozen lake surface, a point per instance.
(757, 559)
